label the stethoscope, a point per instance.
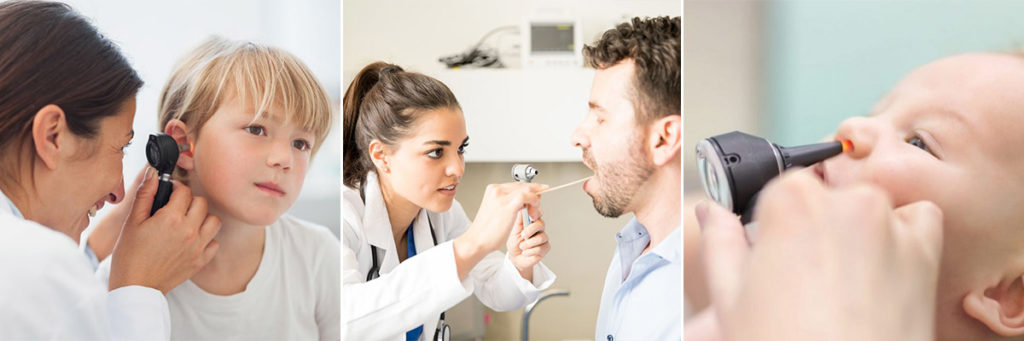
(443, 332)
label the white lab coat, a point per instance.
(48, 291)
(417, 291)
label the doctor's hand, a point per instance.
(164, 250)
(828, 264)
(493, 222)
(526, 249)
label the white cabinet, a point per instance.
(521, 115)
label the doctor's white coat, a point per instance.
(416, 291)
(48, 291)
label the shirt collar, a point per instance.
(668, 249)
(7, 205)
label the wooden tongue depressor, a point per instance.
(559, 187)
(565, 185)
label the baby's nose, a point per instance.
(861, 133)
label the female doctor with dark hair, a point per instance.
(410, 251)
(67, 102)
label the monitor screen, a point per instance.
(551, 37)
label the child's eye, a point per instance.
(434, 154)
(257, 130)
(302, 145)
(916, 141)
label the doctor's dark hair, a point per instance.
(654, 46)
(383, 103)
(52, 55)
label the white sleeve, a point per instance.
(328, 277)
(414, 291)
(497, 282)
(138, 313)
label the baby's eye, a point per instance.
(302, 145)
(257, 130)
(916, 141)
(434, 154)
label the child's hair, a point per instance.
(260, 75)
(382, 104)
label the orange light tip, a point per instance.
(847, 145)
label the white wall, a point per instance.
(154, 35)
(510, 114)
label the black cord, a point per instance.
(475, 56)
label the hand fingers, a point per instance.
(725, 250)
(143, 201)
(537, 252)
(208, 253)
(537, 240)
(197, 212)
(180, 200)
(209, 229)
(922, 220)
(538, 225)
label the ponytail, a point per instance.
(381, 104)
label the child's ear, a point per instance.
(180, 132)
(1000, 306)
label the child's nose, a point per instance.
(862, 133)
(280, 155)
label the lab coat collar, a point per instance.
(377, 225)
(7, 206)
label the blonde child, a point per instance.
(255, 116)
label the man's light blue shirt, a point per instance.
(642, 293)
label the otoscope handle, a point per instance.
(163, 194)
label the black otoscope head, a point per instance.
(735, 166)
(162, 153)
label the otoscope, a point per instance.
(524, 173)
(735, 166)
(162, 152)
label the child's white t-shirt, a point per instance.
(294, 295)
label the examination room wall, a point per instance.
(155, 35)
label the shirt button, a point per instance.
(611, 338)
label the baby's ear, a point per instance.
(1000, 306)
(180, 132)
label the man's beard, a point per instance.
(620, 180)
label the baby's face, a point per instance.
(950, 133)
(251, 171)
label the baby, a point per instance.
(950, 133)
(255, 116)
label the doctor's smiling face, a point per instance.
(612, 142)
(93, 172)
(251, 168)
(950, 133)
(424, 168)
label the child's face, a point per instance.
(427, 165)
(251, 171)
(949, 133)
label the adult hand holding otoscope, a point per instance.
(160, 247)
(823, 257)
